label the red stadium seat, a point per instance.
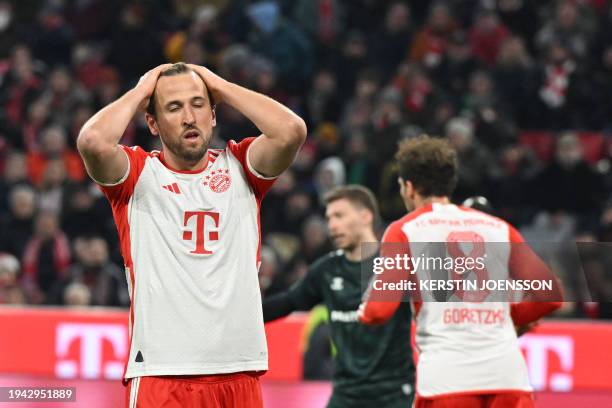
(593, 145)
(542, 143)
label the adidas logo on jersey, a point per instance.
(174, 188)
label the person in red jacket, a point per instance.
(466, 337)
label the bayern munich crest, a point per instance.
(218, 180)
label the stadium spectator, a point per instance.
(322, 101)
(322, 20)
(19, 220)
(9, 32)
(430, 42)
(457, 65)
(518, 166)
(486, 36)
(10, 291)
(562, 89)
(62, 95)
(314, 239)
(476, 163)
(569, 184)
(351, 62)
(54, 38)
(53, 186)
(603, 84)
(76, 294)
(54, 146)
(419, 93)
(79, 207)
(269, 270)
(283, 44)
(46, 258)
(20, 85)
(38, 117)
(15, 173)
(103, 279)
(570, 27)
(391, 42)
(133, 33)
(514, 75)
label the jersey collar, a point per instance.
(163, 161)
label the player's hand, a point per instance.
(525, 328)
(146, 84)
(213, 82)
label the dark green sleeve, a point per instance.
(303, 295)
(306, 293)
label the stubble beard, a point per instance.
(187, 154)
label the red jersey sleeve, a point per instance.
(121, 191)
(258, 182)
(379, 306)
(525, 264)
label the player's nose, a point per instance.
(188, 116)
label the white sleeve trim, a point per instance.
(125, 176)
(252, 170)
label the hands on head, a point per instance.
(146, 83)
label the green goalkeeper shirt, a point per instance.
(374, 365)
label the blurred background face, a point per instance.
(397, 18)
(9, 267)
(46, 225)
(55, 173)
(347, 223)
(569, 150)
(439, 19)
(23, 203)
(16, 167)
(314, 234)
(53, 140)
(184, 118)
(98, 251)
(567, 14)
(60, 81)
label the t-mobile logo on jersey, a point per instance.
(538, 349)
(91, 337)
(202, 232)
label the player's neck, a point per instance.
(175, 163)
(360, 252)
(420, 202)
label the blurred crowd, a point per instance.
(362, 73)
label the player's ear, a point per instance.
(410, 190)
(402, 185)
(214, 115)
(367, 216)
(152, 123)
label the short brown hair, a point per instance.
(430, 164)
(357, 195)
(176, 69)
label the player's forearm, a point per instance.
(105, 128)
(527, 312)
(274, 119)
(278, 306)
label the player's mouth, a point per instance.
(337, 237)
(191, 134)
